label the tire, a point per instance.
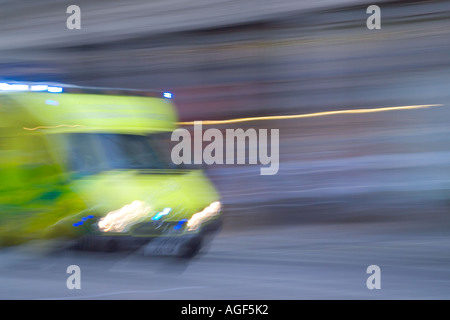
(190, 249)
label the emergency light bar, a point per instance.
(58, 88)
(26, 87)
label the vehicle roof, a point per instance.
(86, 109)
(70, 88)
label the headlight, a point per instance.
(119, 220)
(197, 219)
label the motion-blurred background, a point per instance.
(226, 59)
(229, 59)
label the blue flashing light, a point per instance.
(55, 89)
(79, 223)
(18, 87)
(39, 87)
(180, 224)
(14, 87)
(168, 95)
(52, 102)
(32, 87)
(162, 213)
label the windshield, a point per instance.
(90, 153)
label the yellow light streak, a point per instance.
(54, 127)
(311, 115)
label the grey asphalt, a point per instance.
(309, 261)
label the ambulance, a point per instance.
(92, 167)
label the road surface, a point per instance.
(309, 261)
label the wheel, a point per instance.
(190, 249)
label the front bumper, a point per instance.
(164, 239)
